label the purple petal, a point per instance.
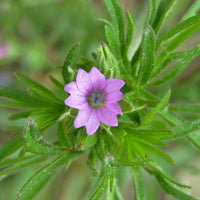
(113, 84)
(78, 102)
(107, 117)
(114, 108)
(113, 97)
(93, 123)
(73, 89)
(83, 81)
(98, 79)
(82, 117)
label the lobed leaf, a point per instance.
(17, 95)
(174, 120)
(174, 56)
(43, 91)
(177, 69)
(168, 185)
(175, 41)
(186, 24)
(183, 130)
(147, 56)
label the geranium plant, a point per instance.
(108, 108)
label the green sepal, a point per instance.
(70, 62)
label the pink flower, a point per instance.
(96, 98)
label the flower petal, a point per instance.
(107, 117)
(114, 108)
(113, 84)
(113, 97)
(73, 89)
(78, 102)
(82, 117)
(83, 81)
(93, 123)
(98, 79)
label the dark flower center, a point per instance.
(95, 99)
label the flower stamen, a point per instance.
(95, 99)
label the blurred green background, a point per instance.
(37, 35)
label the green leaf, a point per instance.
(70, 62)
(162, 11)
(56, 82)
(183, 130)
(43, 91)
(172, 190)
(175, 56)
(117, 17)
(178, 28)
(194, 138)
(41, 177)
(175, 41)
(11, 146)
(155, 169)
(184, 108)
(140, 136)
(147, 56)
(155, 151)
(138, 186)
(129, 33)
(62, 135)
(113, 41)
(34, 143)
(168, 185)
(17, 95)
(174, 120)
(178, 68)
(20, 115)
(193, 10)
(153, 132)
(99, 187)
(151, 12)
(19, 164)
(159, 106)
